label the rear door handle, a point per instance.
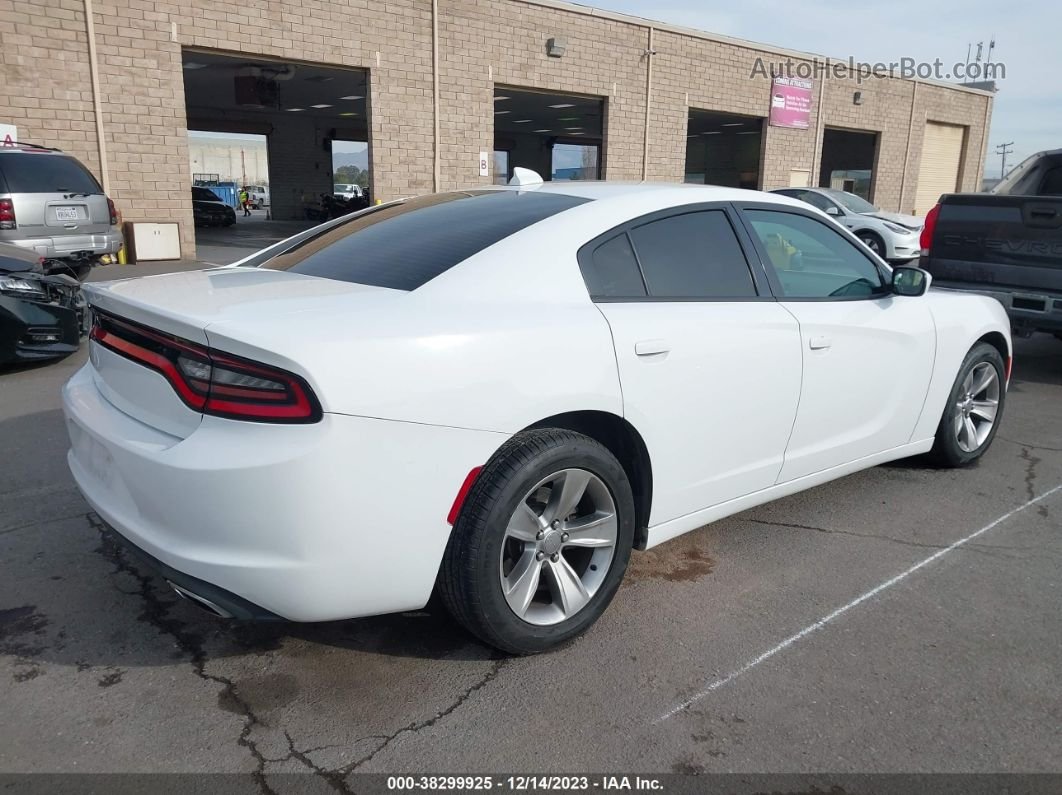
(651, 347)
(819, 343)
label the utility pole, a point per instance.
(1002, 150)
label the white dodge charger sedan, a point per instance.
(496, 394)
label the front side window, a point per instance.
(811, 259)
(693, 255)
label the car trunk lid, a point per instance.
(183, 306)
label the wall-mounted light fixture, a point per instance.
(857, 98)
(556, 47)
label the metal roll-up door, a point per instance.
(939, 169)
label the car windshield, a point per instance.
(40, 172)
(851, 202)
(407, 244)
(204, 195)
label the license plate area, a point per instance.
(66, 214)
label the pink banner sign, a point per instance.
(791, 102)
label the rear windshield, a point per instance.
(33, 172)
(403, 246)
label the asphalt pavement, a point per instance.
(903, 619)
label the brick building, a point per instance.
(432, 85)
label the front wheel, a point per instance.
(873, 242)
(974, 409)
(541, 544)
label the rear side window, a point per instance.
(691, 256)
(37, 172)
(404, 246)
(611, 270)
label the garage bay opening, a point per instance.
(292, 136)
(848, 161)
(724, 149)
(560, 136)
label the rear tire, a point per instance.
(973, 411)
(541, 543)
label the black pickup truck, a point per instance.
(1006, 243)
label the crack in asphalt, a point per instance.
(982, 548)
(413, 728)
(334, 778)
(156, 612)
(1031, 463)
(1030, 446)
(40, 522)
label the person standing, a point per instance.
(245, 202)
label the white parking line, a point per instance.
(785, 644)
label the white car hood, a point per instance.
(910, 221)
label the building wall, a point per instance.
(236, 161)
(45, 85)
(488, 43)
(46, 90)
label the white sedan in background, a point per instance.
(498, 393)
(892, 236)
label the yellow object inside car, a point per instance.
(784, 255)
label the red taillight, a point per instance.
(925, 240)
(115, 218)
(7, 214)
(210, 381)
(462, 493)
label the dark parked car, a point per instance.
(209, 210)
(41, 317)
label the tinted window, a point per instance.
(37, 172)
(611, 271)
(204, 195)
(694, 255)
(812, 198)
(403, 246)
(812, 259)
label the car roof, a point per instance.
(32, 149)
(688, 192)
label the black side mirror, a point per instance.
(911, 282)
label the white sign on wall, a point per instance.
(8, 134)
(483, 164)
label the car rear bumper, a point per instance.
(1027, 309)
(66, 246)
(339, 519)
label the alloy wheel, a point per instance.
(977, 406)
(558, 546)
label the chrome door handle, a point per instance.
(819, 343)
(651, 347)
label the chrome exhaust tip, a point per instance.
(199, 600)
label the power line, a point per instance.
(1003, 151)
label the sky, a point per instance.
(1028, 106)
